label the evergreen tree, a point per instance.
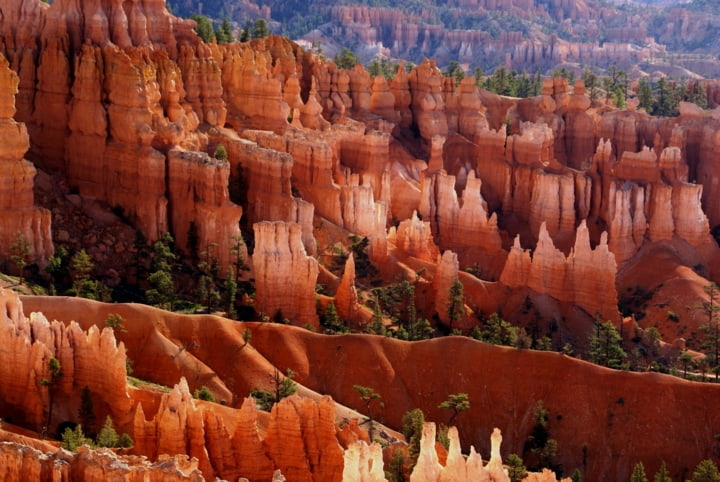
(645, 95)
(81, 266)
(685, 358)
(368, 396)
(230, 293)
(711, 330)
(282, 387)
(662, 475)
(162, 291)
(74, 438)
(619, 97)
(377, 325)
(697, 95)
(706, 471)
(478, 74)
(591, 83)
(666, 103)
(224, 33)
(606, 346)
(20, 254)
(55, 372)
(638, 474)
(457, 402)
(204, 28)
(412, 423)
(236, 249)
(108, 436)
(496, 331)
(346, 59)
(331, 321)
(455, 303)
(260, 29)
(515, 467)
(539, 445)
(245, 33)
(115, 321)
(455, 70)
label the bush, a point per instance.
(220, 153)
(204, 393)
(74, 438)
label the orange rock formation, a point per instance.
(18, 214)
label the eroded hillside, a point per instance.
(415, 207)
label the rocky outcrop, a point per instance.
(279, 259)
(346, 297)
(201, 206)
(253, 93)
(586, 277)
(457, 467)
(34, 342)
(427, 101)
(464, 228)
(20, 462)
(20, 221)
(142, 24)
(414, 238)
(363, 463)
(446, 274)
(263, 178)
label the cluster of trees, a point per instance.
(662, 97)
(223, 32)
(705, 471)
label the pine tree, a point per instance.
(108, 436)
(282, 387)
(260, 29)
(515, 467)
(605, 346)
(224, 33)
(638, 474)
(645, 95)
(74, 438)
(368, 396)
(346, 59)
(162, 291)
(412, 424)
(455, 304)
(230, 293)
(81, 266)
(711, 330)
(706, 471)
(662, 475)
(55, 372)
(457, 402)
(204, 28)
(20, 253)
